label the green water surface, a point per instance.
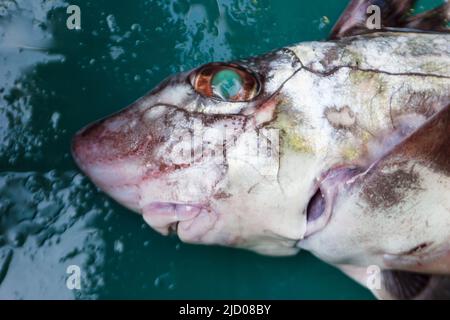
(53, 81)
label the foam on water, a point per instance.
(48, 224)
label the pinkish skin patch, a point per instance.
(123, 173)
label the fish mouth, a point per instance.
(319, 210)
(189, 221)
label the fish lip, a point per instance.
(171, 209)
(330, 184)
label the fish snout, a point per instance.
(110, 152)
(140, 145)
(119, 136)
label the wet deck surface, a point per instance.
(53, 81)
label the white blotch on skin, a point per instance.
(343, 117)
(175, 95)
(155, 112)
(116, 125)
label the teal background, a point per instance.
(53, 81)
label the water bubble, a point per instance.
(115, 52)
(118, 246)
(56, 116)
(136, 27)
(324, 22)
(45, 226)
(165, 281)
(112, 24)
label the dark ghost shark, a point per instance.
(338, 147)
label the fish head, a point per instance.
(250, 154)
(201, 156)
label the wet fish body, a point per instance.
(338, 147)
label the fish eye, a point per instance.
(225, 82)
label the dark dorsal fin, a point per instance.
(429, 144)
(432, 20)
(393, 14)
(410, 285)
(405, 285)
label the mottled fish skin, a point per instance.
(378, 97)
(135, 157)
(337, 103)
(329, 117)
(337, 147)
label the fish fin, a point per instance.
(414, 166)
(393, 14)
(433, 20)
(401, 285)
(405, 285)
(429, 144)
(413, 30)
(353, 21)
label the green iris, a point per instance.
(226, 84)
